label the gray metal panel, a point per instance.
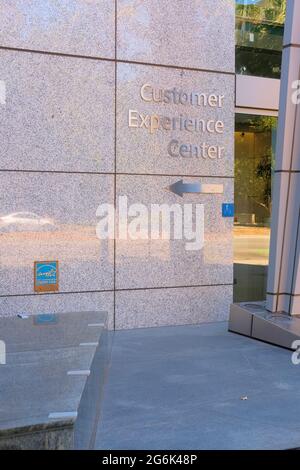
(240, 320)
(273, 333)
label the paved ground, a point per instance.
(251, 245)
(181, 388)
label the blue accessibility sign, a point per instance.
(228, 209)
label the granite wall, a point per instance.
(101, 99)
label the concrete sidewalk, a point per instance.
(181, 388)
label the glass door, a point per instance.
(255, 138)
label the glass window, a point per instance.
(255, 139)
(259, 37)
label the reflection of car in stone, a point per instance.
(24, 220)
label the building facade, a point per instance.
(114, 111)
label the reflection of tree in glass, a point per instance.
(270, 10)
(265, 166)
(264, 171)
(254, 160)
(259, 37)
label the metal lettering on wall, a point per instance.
(153, 123)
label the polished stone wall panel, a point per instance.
(53, 217)
(193, 33)
(179, 306)
(78, 27)
(140, 151)
(58, 113)
(146, 262)
(57, 118)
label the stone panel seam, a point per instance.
(283, 293)
(120, 61)
(115, 169)
(193, 286)
(287, 171)
(286, 46)
(116, 173)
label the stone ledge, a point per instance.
(43, 405)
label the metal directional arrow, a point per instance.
(180, 188)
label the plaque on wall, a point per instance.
(45, 276)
